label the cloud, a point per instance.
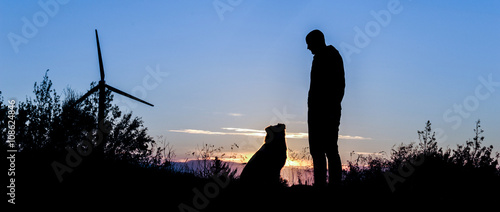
(233, 131)
(350, 137)
(193, 131)
(235, 114)
(258, 133)
(242, 129)
(296, 135)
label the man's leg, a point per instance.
(334, 164)
(317, 151)
(332, 152)
(319, 163)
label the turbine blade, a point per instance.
(101, 67)
(94, 89)
(128, 95)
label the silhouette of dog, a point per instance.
(264, 168)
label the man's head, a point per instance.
(315, 41)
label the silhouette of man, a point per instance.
(324, 106)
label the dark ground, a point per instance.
(117, 185)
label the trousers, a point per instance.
(323, 127)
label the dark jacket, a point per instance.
(327, 80)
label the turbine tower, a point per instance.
(101, 87)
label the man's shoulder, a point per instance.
(329, 55)
(328, 51)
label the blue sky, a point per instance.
(220, 75)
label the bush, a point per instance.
(44, 123)
(208, 162)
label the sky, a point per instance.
(219, 72)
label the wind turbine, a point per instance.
(101, 87)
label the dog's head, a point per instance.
(275, 134)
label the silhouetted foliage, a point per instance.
(35, 117)
(472, 154)
(302, 166)
(419, 168)
(364, 168)
(208, 162)
(4, 120)
(46, 123)
(469, 155)
(161, 156)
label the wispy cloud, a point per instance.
(203, 132)
(242, 130)
(258, 133)
(235, 114)
(296, 135)
(232, 131)
(350, 137)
